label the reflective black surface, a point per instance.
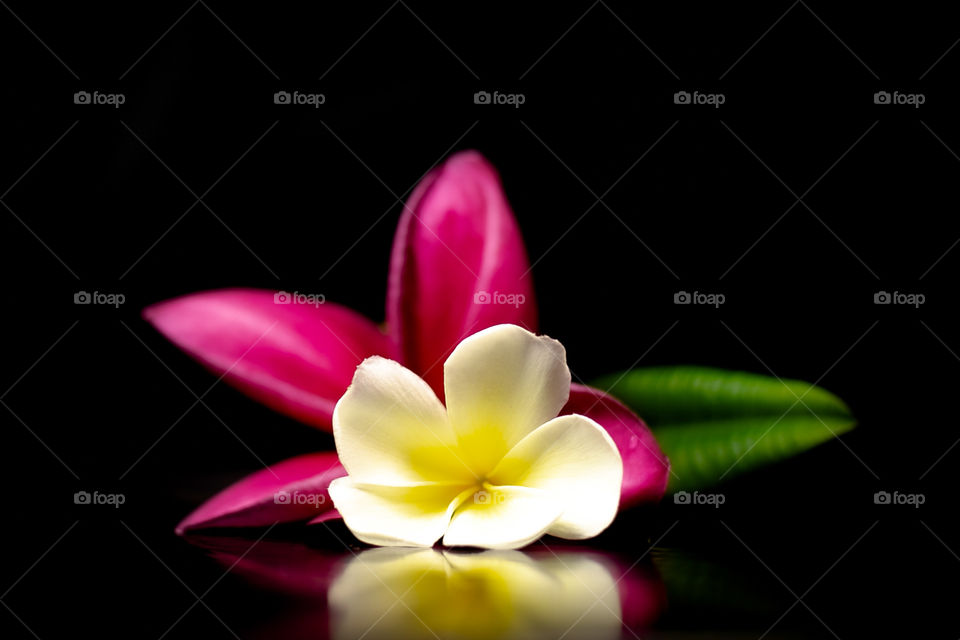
(673, 574)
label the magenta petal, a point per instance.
(458, 265)
(326, 516)
(295, 358)
(289, 491)
(645, 467)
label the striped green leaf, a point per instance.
(714, 424)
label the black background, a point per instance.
(798, 199)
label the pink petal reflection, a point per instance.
(291, 568)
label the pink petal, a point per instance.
(458, 265)
(645, 467)
(289, 491)
(295, 358)
(326, 516)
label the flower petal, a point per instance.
(458, 265)
(391, 429)
(408, 516)
(292, 490)
(326, 516)
(295, 358)
(501, 384)
(504, 518)
(645, 467)
(575, 460)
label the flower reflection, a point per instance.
(425, 593)
(407, 593)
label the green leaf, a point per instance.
(714, 424)
(705, 453)
(668, 395)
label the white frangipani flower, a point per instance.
(496, 468)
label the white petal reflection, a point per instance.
(396, 593)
